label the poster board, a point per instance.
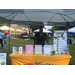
(38, 49)
(47, 49)
(3, 58)
(29, 49)
(60, 41)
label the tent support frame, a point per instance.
(67, 30)
(9, 43)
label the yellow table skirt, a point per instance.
(37, 59)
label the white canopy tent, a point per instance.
(71, 29)
(44, 30)
(5, 28)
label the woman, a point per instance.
(5, 40)
(1, 38)
(40, 38)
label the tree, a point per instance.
(16, 26)
(1, 23)
(34, 27)
(58, 28)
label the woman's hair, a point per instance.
(41, 27)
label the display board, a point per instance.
(38, 49)
(3, 58)
(29, 49)
(60, 41)
(47, 49)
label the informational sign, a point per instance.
(60, 41)
(38, 49)
(29, 49)
(3, 58)
(14, 49)
(47, 49)
(20, 50)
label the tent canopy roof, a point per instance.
(38, 16)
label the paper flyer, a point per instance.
(47, 49)
(20, 50)
(38, 49)
(14, 50)
(29, 49)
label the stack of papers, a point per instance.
(29, 49)
(47, 49)
(38, 49)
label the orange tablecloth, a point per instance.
(35, 59)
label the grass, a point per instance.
(72, 53)
(22, 42)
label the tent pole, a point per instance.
(67, 31)
(9, 43)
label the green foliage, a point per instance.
(34, 27)
(16, 26)
(1, 23)
(58, 28)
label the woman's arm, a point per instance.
(47, 41)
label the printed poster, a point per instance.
(47, 49)
(29, 49)
(3, 58)
(60, 41)
(38, 49)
